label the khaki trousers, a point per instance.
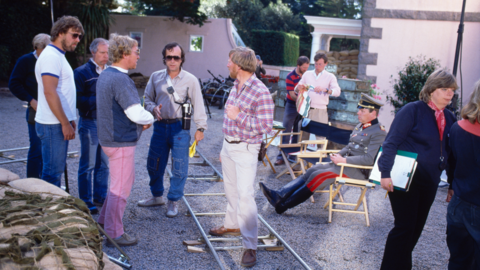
(317, 115)
(239, 168)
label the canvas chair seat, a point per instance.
(345, 181)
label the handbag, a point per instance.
(262, 152)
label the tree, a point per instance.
(252, 15)
(95, 19)
(182, 10)
(411, 80)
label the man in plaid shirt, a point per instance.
(248, 115)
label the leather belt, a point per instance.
(169, 121)
(232, 142)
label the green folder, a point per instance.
(402, 171)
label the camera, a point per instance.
(186, 116)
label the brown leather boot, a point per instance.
(249, 258)
(223, 231)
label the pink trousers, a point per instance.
(122, 175)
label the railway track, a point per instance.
(272, 241)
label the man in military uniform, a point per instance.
(365, 140)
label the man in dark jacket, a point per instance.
(23, 85)
(93, 161)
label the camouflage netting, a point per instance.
(46, 230)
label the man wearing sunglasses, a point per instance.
(56, 109)
(166, 92)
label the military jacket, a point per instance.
(364, 144)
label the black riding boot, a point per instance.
(275, 197)
(301, 194)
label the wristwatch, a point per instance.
(201, 129)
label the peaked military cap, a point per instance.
(369, 102)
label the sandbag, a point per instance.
(353, 61)
(344, 53)
(35, 185)
(7, 176)
(320, 51)
(46, 231)
(353, 52)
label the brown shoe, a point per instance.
(249, 258)
(279, 162)
(223, 231)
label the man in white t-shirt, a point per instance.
(56, 109)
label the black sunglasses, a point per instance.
(75, 35)
(174, 57)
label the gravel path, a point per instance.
(346, 243)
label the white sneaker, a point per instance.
(153, 201)
(172, 209)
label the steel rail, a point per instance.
(24, 159)
(14, 149)
(284, 243)
(204, 235)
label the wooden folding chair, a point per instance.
(344, 181)
(288, 148)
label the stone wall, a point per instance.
(342, 110)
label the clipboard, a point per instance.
(402, 172)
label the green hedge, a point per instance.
(276, 48)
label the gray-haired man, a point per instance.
(93, 163)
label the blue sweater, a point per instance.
(86, 78)
(415, 129)
(465, 164)
(23, 83)
(116, 92)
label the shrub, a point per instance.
(276, 48)
(410, 81)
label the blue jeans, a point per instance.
(93, 163)
(166, 138)
(34, 158)
(463, 234)
(54, 152)
(291, 120)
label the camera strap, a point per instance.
(175, 95)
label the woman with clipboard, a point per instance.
(420, 127)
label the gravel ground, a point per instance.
(346, 243)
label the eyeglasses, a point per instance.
(173, 57)
(137, 52)
(76, 35)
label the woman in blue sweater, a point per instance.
(463, 227)
(421, 127)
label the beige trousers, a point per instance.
(318, 115)
(239, 168)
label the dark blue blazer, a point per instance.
(86, 78)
